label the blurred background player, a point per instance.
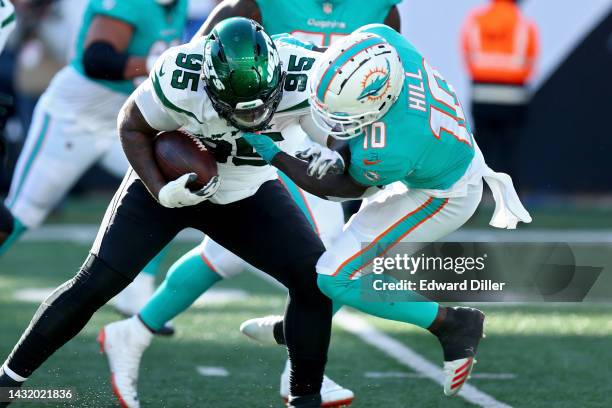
(74, 123)
(7, 24)
(313, 21)
(500, 49)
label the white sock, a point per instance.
(141, 331)
(13, 375)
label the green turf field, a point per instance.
(533, 356)
(544, 356)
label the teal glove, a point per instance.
(263, 145)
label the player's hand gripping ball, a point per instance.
(190, 169)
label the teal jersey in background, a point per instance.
(154, 26)
(321, 22)
(424, 140)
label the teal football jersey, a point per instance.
(154, 26)
(321, 21)
(424, 140)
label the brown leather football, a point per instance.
(178, 153)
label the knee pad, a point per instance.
(220, 260)
(97, 283)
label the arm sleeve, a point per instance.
(152, 109)
(314, 132)
(378, 174)
(129, 11)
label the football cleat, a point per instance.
(459, 336)
(135, 295)
(456, 373)
(333, 395)
(124, 342)
(261, 329)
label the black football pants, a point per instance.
(267, 230)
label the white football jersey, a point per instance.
(7, 21)
(173, 97)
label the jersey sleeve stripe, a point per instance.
(167, 103)
(8, 20)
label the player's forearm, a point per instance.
(341, 186)
(135, 67)
(137, 140)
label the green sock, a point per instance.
(18, 230)
(419, 312)
(187, 279)
(154, 265)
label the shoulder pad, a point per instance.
(177, 82)
(298, 63)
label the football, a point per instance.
(178, 153)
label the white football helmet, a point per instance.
(355, 82)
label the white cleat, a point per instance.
(333, 395)
(135, 295)
(261, 329)
(124, 342)
(456, 374)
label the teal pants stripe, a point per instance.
(187, 279)
(18, 230)
(39, 142)
(299, 198)
(342, 289)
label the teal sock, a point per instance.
(419, 312)
(18, 230)
(187, 279)
(154, 265)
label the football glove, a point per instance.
(321, 161)
(175, 194)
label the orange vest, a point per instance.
(499, 44)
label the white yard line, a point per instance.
(85, 234)
(401, 353)
(408, 357)
(401, 374)
(207, 371)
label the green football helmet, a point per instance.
(242, 72)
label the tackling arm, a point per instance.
(337, 185)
